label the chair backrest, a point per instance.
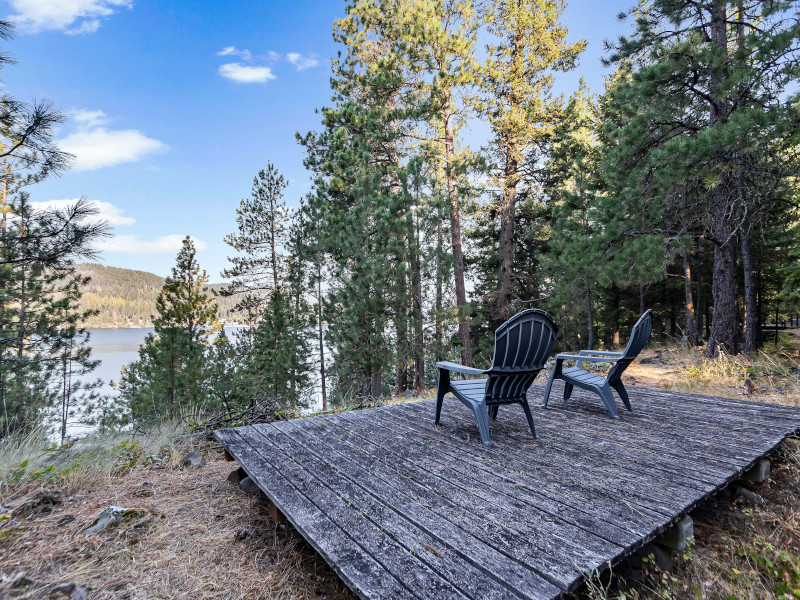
(522, 346)
(639, 336)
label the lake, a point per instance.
(118, 347)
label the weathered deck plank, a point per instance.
(404, 509)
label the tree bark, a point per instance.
(691, 317)
(724, 326)
(698, 309)
(589, 318)
(416, 310)
(455, 234)
(437, 307)
(615, 299)
(509, 199)
(752, 326)
(506, 245)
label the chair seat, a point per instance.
(473, 390)
(576, 375)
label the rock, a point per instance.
(113, 516)
(69, 590)
(65, 520)
(651, 360)
(193, 459)
(41, 501)
(248, 486)
(19, 581)
(750, 497)
(109, 517)
(236, 476)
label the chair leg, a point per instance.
(608, 400)
(529, 416)
(623, 394)
(442, 387)
(548, 388)
(482, 416)
(567, 390)
(493, 411)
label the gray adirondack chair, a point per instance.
(521, 347)
(577, 376)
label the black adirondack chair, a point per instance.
(521, 347)
(576, 376)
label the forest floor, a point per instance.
(194, 535)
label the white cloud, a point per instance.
(106, 211)
(133, 244)
(96, 146)
(234, 51)
(70, 16)
(89, 118)
(246, 74)
(302, 62)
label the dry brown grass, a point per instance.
(767, 376)
(206, 539)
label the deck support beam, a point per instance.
(679, 536)
(759, 472)
(275, 514)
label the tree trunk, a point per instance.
(641, 299)
(724, 325)
(376, 385)
(589, 318)
(691, 317)
(615, 299)
(438, 308)
(321, 340)
(698, 309)
(752, 327)
(506, 246)
(508, 202)
(401, 341)
(455, 234)
(691, 325)
(416, 316)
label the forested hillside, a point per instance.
(127, 297)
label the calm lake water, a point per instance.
(118, 347)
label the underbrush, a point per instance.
(32, 458)
(768, 375)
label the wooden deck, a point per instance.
(404, 509)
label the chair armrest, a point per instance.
(578, 357)
(448, 366)
(600, 353)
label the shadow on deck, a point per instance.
(404, 509)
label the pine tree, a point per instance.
(263, 223)
(170, 374)
(528, 47)
(39, 313)
(706, 104)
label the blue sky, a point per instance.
(174, 106)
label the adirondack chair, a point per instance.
(577, 376)
(521, 347)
